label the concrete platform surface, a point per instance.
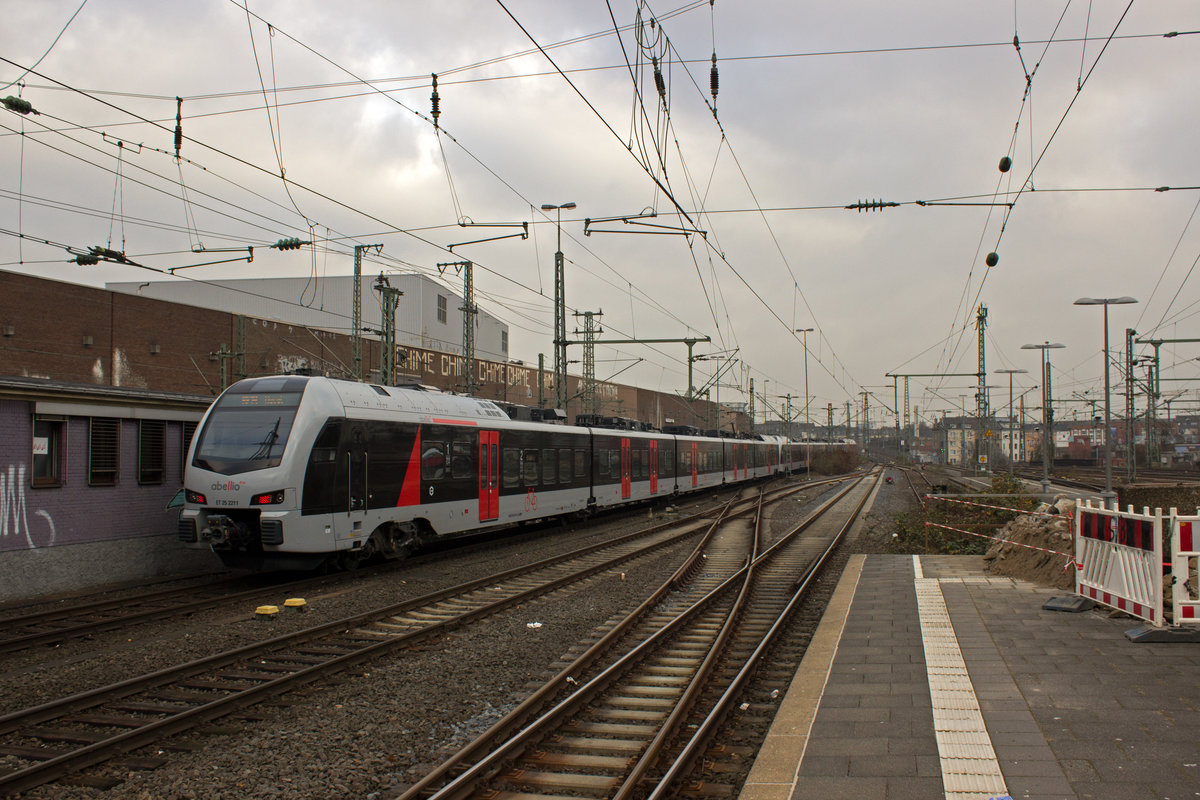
(928, 678)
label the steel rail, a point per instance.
(156, 730)
(530, 723)
(24, 641)
(692, 751)
(507, 726)
(30, 639)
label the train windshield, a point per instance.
(247, 431)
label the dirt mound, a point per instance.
(1051, 532)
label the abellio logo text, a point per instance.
(228, 486)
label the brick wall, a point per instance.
(74, 512)
(67, 332)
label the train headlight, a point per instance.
(194, 497)
(267, 499)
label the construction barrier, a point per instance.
(1119, 559)
(1185, 570)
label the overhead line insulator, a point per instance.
(714, 80)
(178, 125)
(108, 254)
(20, 105)
(289, 244)
(871, 205)
(435, 103)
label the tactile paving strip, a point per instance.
(970, 770)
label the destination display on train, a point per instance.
(263, 400)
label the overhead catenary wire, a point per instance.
(689, 206)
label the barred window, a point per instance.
(187, 431)
(152, 435)
(441, 308)
(104, 451)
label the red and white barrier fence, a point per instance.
(1119, 559)
(1185, 569)
(1119, 555)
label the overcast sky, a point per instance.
(821, 105)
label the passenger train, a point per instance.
(288, 472)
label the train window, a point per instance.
(325, 447)
(614, 462)
(564, 466)
(512, 467)
(248, 431)
(433, 461)
(685, 459)
(645, 462)
(602, 462)
(548, 465)
(462, 461)
(529, 467)
(581, 463)
(638, 468)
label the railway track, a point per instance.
(61, 737)
(922, 478)
(633, 715)
(90, 617)
(86, 617)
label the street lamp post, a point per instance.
(807, 422)
(1010, 373)
(1106, 302)
(560, 314)
(1047, 424)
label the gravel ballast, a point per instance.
(384, 724)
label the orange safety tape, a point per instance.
(1070, 559)
(999, 508)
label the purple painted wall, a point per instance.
(76, 513)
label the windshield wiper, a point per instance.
(268, 442)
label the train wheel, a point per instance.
(350, 560)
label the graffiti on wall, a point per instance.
(14, 518)
(445, 368)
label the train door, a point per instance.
(356, 473)
(695, 465)
(653, 467)
(489, 475)
(626, 467)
